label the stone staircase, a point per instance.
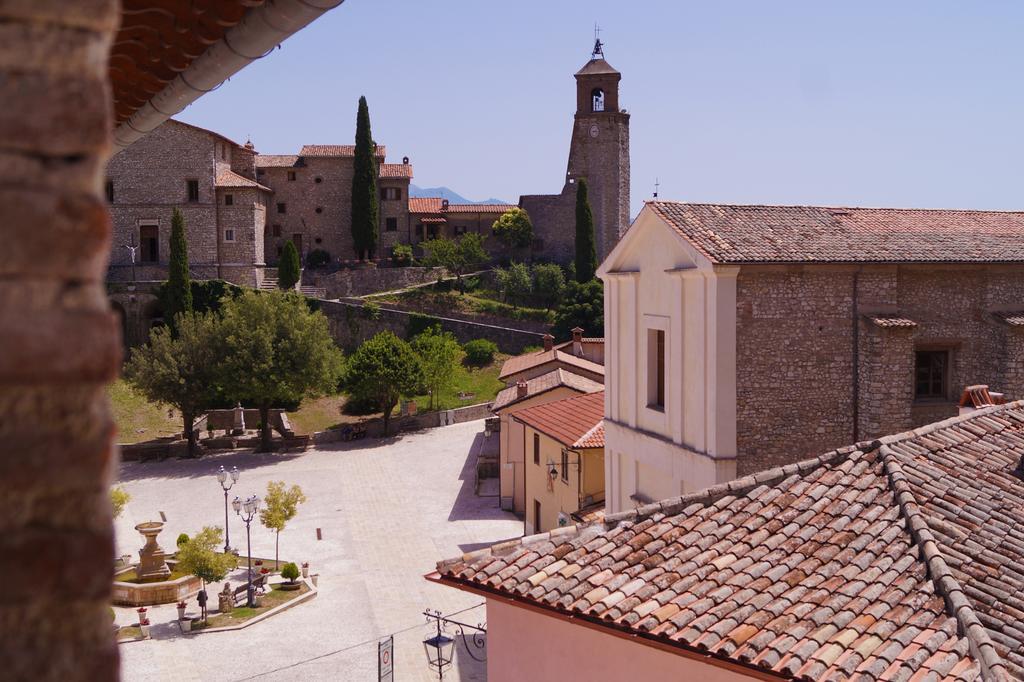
(269, 283)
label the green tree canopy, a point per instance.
(365, 207)
(586, 251)
(276, 352)
(583, 306)
(515, 283)
(182, 371)
(514, 228)
(289, 270)
(280, 505)
(548, 284)
(439, 353)
(178, 292)
(456, 256)
(382, 370)
(199, 556)
(119, 498)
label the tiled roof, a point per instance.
(335, 150)
(596, 67)
(424, 204)
(433, 221)
(395, 170)
(567, 420)
(478, 208)
(1012, 319)
(542, 384)
(276, 160)
(590, 513)
(818, 234)
(883, 560)
(594, 438)
(888, 322)
(521, 363)
(229, 178)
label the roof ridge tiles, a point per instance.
(946, 585)
(906, 209)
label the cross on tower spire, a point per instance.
(598, 45)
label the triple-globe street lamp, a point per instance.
(222, 478)
(249, 507)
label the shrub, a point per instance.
(548, 284)
(480, 352)
(289, 269)
(401, 254)
(419, 323)
(371, 310)
(317, 258)
(290, 571)
(515, 283)
(182, 540)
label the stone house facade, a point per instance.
(744, 337)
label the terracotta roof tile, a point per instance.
(335, 150)
(424, 204)
(544, 383)
(395, 170)
(895, 559)
(229, 178)
(436, 205)
(276, 160)
(526, 361)
(1015, 319)
(567, 420)
(819, 234)
(594, 438)
(478, 208)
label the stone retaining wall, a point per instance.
(370, 280)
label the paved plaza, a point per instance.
(388, 509)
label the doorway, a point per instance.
(149, 242)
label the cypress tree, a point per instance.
(586, 252)
(179, 289)
(289, 270)
(365, 208)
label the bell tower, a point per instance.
(599, 150)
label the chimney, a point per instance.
(521, 389)
(577, 342)
(978, 396)
(444, 204)
(549, 342)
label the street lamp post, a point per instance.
(440, 642)
(250, 506)
(222, 478)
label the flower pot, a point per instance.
(305, 570)
(315, 578)
(186, 624)
(181, 613)
(145, 631)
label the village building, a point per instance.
(525, 393)
(565, 464)
(434, 218)
(577, 356)
(744, 337)
(893, 559)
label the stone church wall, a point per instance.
(554, 223)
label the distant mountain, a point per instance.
(449, 194)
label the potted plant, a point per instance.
(181, 610)
(258, 563)
(305, 569)
(186, 624)
(143, 622)
(265, 570)
(291, 573)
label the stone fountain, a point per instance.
(152, 559)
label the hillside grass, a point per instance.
(138, 419)
(482, 382)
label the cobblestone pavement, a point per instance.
(387, 509)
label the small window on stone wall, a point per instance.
(656, 369)
(192, 188)
(229, 199)
(391, 224)
(110, 191)
(282, 207)
(319, 209)
(318, 180)
(275, 230)
(318, 240)
(291, 176)
(931, 374)
(229, 235)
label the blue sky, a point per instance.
(858, 103)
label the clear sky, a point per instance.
(917, 104)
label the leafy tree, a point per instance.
(514, 229)
(401, 254)
(276, 352)
(119, 498)
(279, 507)
(289, 270)
(182, 371)
(439, 355)
(383, 369)
(178, 294)
(455, 256)
(365, 207)
(586, 251)
(480, 352)
(290, 572)
(318, 258)
(548, 283)
(182, 540)
(199, 556)
(583, 306)
(514, 282)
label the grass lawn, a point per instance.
(439, 300)
(275, 596)
(129, 632)
(138, 419)
(320, 414)
(482, 382)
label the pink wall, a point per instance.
(526, 645)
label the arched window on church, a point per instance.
(597, 99)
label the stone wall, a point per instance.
(797, 354)
(554, 223)
(352, 323)
(348, 282)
